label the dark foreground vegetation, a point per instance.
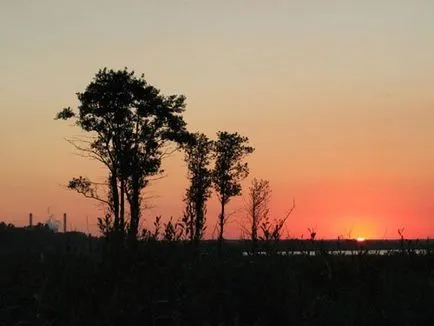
(170, 283)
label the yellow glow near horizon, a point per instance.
(360, 239)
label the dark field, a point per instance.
(74, 280)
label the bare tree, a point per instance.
(272, 231)
(257, 208)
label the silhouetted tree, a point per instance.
(198, 154)
(257, 207)
(230, 149)
(130, 124)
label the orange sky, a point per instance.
(337, 98)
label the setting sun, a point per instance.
(360, 239)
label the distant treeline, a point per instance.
(40, 238)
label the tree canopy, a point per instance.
(230, 150)
(131, 125)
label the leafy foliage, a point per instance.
(131, 125)
(198, 154)
(230, 149)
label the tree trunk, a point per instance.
(221, 224)
(122, 208)
(199, 224)
(115, 195)
(135, 189)
(134, 207)
(192, 217)
(255, 223)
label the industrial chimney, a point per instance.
(30, 220)
(64, 222)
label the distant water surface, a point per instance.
(380, 252)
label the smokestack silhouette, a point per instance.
(30, 219)
(64, 222)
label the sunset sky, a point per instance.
(337, 97)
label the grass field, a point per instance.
(165, 284)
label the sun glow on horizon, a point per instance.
(360, 239)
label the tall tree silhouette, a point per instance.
(198, 154)
(131, 126)
(230, 149)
